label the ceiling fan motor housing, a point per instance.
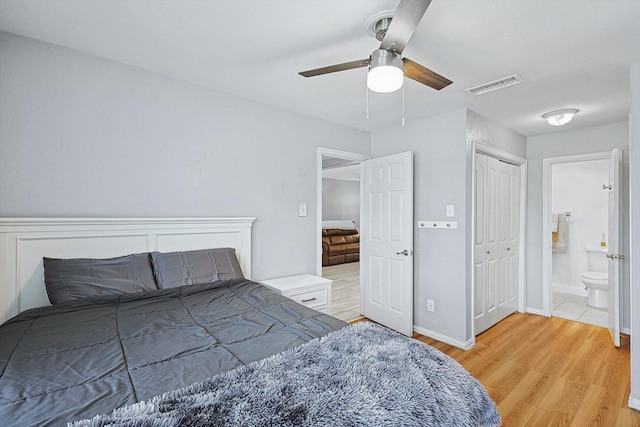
(383, 58)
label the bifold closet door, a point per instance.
(496, 242)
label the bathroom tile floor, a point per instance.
(573, 307)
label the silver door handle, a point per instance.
(405, 253)
(610, 256)
(606, 187)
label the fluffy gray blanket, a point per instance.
(362, 375)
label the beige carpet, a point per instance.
(345, 290)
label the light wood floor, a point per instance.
(540, 371)
(345, 290)
(550, 372)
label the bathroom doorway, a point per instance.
(579, 228)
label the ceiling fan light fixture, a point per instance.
(386, 72)
(560, 117)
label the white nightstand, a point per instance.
(306, 289)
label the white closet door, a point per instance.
(480, 243)
(496, 245)
(510, 244)
(493, 227)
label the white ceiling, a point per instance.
(569, 53)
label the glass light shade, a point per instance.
(385, 79)
(386, 72)
(560, 117)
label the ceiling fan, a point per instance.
(387, 67)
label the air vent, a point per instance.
(495, 85)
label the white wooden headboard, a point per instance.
(24, 241)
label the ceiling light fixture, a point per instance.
(386, 71)
(560, 117)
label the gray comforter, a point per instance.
(87, 357)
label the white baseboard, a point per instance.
(626, 331)
(445, 339)
(634, 403)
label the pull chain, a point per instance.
(367, 87)
(367, 106)
(403, 103)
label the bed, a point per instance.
(192, 340)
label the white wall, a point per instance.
(340, 200)
(439, 149)
(577, 188)
(588, 140)
(634, 167)
(87, 137)
(442, 176)
(487, 132)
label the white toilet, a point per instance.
(596, 278)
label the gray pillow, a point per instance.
(173, 269)
(69, 279)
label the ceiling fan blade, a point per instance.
(403, 24)
(338, 67)
(423, 75)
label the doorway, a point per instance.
(612, 240)
(339, 200)
(580, 221)
(386, 214)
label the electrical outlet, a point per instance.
(430, 305)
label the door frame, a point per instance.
(337, 154)
(503, 155)
(547, 271)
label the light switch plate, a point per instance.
(302, 209)
(451, 211)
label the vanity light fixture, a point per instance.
(560, 117)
